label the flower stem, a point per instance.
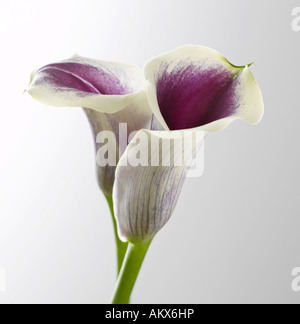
(130, 269)
(121, 246)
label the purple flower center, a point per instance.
(191, 96)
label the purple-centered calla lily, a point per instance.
(110, 93)
(192, 88)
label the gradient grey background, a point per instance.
(235, 234)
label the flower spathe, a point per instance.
(192, 88)
(106, 87)
(110, 93)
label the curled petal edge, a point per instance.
(76, 82)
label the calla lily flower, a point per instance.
(110, 93)
(191, 89)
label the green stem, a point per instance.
(130, 269)
(121, 246)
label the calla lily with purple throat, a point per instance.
(110, 94)
(191, 89)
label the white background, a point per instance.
(234, 237)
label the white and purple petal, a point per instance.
(196, 87)
(145, 196)
(81, 82)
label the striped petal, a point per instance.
(196, 87)
(146, 194)
(134, 117)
